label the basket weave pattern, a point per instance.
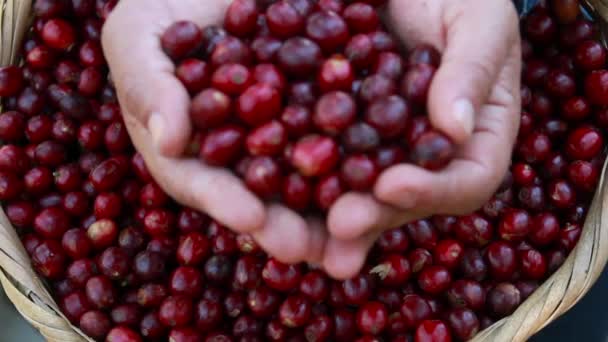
(556, 296)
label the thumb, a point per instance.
(160, 103)
(479, 35)
(145, 82)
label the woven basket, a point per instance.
(556, 296)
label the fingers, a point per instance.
(479, 37)
(289, 238)
(472, 178)
(410, 21)
(144, 75)
(162, 105)
(215, 191)
(459, 189)
(355, 215)
(344, 259)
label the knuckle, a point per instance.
(481, 70)
(469, 196)
(132, 98)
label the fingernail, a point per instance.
(464, 112)
(156, 122)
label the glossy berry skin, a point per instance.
(503, 299)
(535, 148)
(284, 20)
(336, 74)
(389, 116)
(414, 310)
(515, 225)
(95, 324)
(21, 214)
(232, 79)
(359, 172)
(187, 281)
(432, 151)
(434, 279)
(49, 259)
(181, 39)
(194, 74)
(596, 87)
(561, 194)
(393, 270)
(297, 120)
(361, 17)
(315, 155)
(583, 175)
(263, 301)
(207, 315)
(52, 223)
(327, 191)
(560, 84)
(295, 311)
(416, 83)
(432, 331)
(334, 112)
(360, 51)
(193, 248)
(423, 234)
(210, 108)
(393, 240)
(279, 276)
(545, 229)
(361, 137)
(100, 292)
(259, 104)
(357, 290)
(223, 145)
(241, 18)
(502, 260)
(150, 326)
(590, 55)
(533, 264)
(372, 318)
(230, 50)
(584, 143)
(175, 311)
(11, 81)
(268, 139)
(320, 328)
(123, 334)
(328, 29)
(466, 294)
(296, 192)
(448, 253)
(12, 123)
(464, 323)
(271, 75)
(263, 177)
(299, 56)
(114, 263)
(58, 34)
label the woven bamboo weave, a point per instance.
(556, 296)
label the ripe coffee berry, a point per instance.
(305, 101)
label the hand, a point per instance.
(155, 107)
(474, 99)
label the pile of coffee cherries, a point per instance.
(304, 99)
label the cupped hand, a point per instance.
(474, 99)
(155, 107)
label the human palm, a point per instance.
(474, 99)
